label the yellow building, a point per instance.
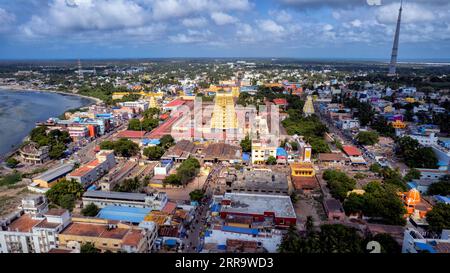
(398, 124)
(224, 116)
(410, 100)
(105, 235)
(262, 151)
(302, 169)
(308, 109)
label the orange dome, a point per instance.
(413, 197)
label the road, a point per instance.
(198, 224)
(346, 138)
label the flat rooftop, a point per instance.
(261, 179)
(258, 204)
(139, 197)
(23, 224)
(94, 230)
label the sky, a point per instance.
(328, 29)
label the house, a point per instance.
(31, 153)
(416, 242)
(34, 228)
(51, 177)
(107, 235)
(94, 170)
(155, 201)
(334, 209)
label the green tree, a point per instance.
(166, 141)
(412, 174)
(338, 183)
(173, 179)
(271, 160)
(62, 188)
(12, 162)
(367, 138)
(89, 248)
(439, 218)
(388, 244)
(415, 155)
(134, 125)
(57, 151)
(246, 144)
(90, 210)
(196, 195)
(154, 153)
(67, 201)
(440, 188)
(129, 185)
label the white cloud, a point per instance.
(167, 9)
(221, 18)
(356, 23)
(6, 20)
(194, 22)
(272, 27)
(412, 13)
(86, 15)
(192, 36)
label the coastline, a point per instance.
(18, 88)
(33, 89)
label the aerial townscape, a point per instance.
(226, 155)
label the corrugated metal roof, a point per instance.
(55, 172)
(126, 214)
(115, 195)
(252, 231)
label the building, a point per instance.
(334, 209)
(277, 209)
(163, 168)
(51, 177)
(155, 201)
(138, 106)
(258, 181)
(31, 153)
(348, 124)
(33, 229)
(331, 159)
(107, 235)
(221, 152)
(308, 109)
(416, 242)
(261, 151)
(224, 116)
(303, 176)
(426, 139)
(94, 170)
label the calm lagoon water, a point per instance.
(20, 110)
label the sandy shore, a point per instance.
(30, 89)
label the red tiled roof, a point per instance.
(280, 101)
(175, 103)
(169, 207)
(23, 224)
(351, 151)
(131, 134)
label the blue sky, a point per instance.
(55, 29)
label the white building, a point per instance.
(155, 201)
(425, 139)
(32, 230)
(163, 168)
(415, 242)
(348, 124)
(95, 169)
(142, 105)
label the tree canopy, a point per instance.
(439, 218)
(64, 193)
(367, 138)
(440, 188)
(122, 147)
(90, 210)
(415, 155)
(338, 183)
(154, 152)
